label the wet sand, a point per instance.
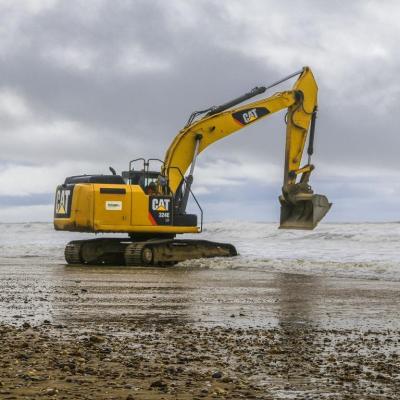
(183, 333)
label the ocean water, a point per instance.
(365, 250)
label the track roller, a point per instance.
(138, 253)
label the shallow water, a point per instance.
(366, 251)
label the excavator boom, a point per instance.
(300, 208)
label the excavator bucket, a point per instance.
(305, 213)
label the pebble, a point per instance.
(159, 384)
(183, 360)
(96, 339)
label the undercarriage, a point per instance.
(153, 252)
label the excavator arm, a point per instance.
(300, 208)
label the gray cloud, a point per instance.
(85, 85)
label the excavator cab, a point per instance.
(144, 179)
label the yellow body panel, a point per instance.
(139, 202)
(95, 209)
(82, 208)
(112, 209)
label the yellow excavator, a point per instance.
(150, 205)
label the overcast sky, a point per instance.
(88, 84)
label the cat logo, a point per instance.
(62, 201)
(160, 210)
(249, 115)
(160, 205)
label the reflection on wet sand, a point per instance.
(298, 318)
(297, 298)
(36, 291)
(109, 294)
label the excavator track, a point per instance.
(154, 252)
